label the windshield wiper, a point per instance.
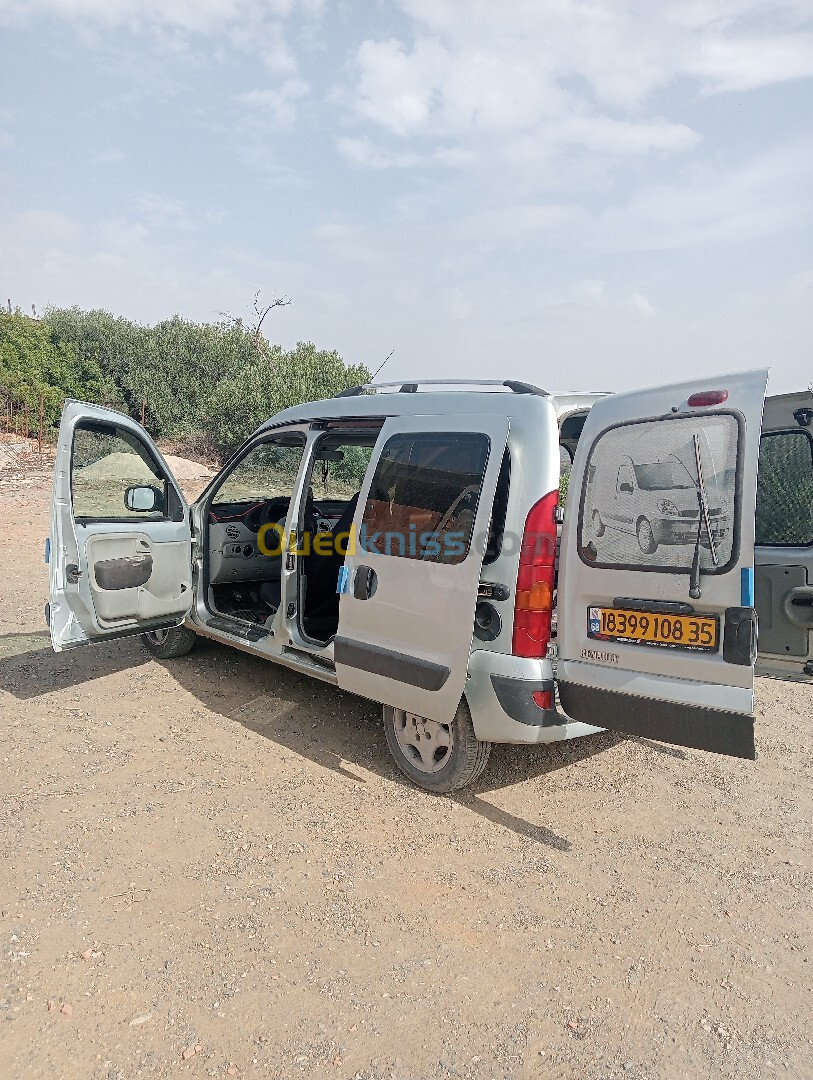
(703, 519)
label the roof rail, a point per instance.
(413, 387)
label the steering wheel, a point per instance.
(267, 513)
(270, 511)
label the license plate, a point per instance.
(700, 632)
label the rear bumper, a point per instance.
(499, 692)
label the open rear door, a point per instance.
(409, 584)
(120, 549)
(657, 628)
(784, 538)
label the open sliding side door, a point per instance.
(409, 588)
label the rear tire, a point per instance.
(440, 758)
(166, 644)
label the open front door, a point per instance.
(120, 549)
(784, 537)
(657, 629)
(409, 585)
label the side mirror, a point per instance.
(626, 488)
(144, 500)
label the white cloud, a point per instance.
(640, 305)
(256, 27)
(278, 105)
(162, 214)
(198, 16)
(712, 204)
(587, 293)
(731, 202)
(364, 151)
(742, 63)
(531, 80)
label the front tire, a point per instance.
(647, 540)
(169, 643)
(439, 758)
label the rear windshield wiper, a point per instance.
(703, 520)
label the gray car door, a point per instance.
(657, 629)
(120, 546)
(409, 588)
(784, 538)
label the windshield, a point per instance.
(663, 476)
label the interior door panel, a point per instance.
(113, 570)
(132, 577)
(783, 573)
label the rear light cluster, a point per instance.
(535, 580)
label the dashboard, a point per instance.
(233, 542)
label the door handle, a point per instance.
(365, 583)
(799, 605)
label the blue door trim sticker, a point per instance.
(747, 586)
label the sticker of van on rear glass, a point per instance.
(661, 493)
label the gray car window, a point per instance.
(640, 505)
(106, 462)
(424, 496)
(785, 489)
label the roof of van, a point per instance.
(394, 399)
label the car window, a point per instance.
(625, 478)
(338, 469)
(267, 471)
(657, 523)
(424, 495)
(106, 461)
(785, 489)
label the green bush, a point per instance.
(210, 382)
(32, 364)
(172, 367)
(272, 381)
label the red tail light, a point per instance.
(535, 580)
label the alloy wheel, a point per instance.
(426, 744)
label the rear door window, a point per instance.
(640, 505)
(785, 490)
(424, 495)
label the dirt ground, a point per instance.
(212, 868)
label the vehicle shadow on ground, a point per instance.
(29, 668)
(334, 729)
(344, 733)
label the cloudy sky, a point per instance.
(583, 193)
